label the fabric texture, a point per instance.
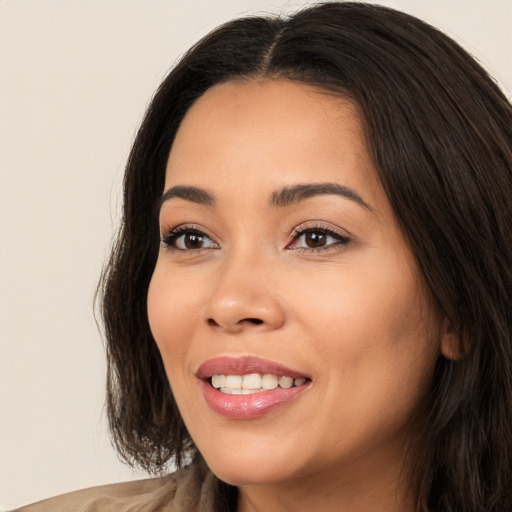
(191, 489)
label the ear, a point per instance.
(451, 345)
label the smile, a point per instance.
(249, 387)
(253, 383)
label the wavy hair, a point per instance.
(439, 132)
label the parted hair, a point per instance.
(439, 132)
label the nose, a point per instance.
(244, 297)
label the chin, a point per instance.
(252, 475)
(255, 467)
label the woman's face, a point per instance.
(281, 257)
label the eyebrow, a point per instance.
(194, 194)
(291, 195)
(280, 198)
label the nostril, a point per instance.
(255, 321)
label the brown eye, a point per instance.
(191, 241)
(318, 239)
(188, 240)
(315, 239)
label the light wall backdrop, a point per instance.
(75, 78)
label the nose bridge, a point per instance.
(243, 296)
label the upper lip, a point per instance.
(242, 365)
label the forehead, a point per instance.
(242, 133)
(269, 106)
(229, 99)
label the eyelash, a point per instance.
(342, 239)
(170, 238)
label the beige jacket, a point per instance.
(191, 489)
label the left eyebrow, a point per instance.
(291, 195)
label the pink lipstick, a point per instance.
(248, 387)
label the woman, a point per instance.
(308, 306)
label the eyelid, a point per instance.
(342, 236)
(321, 226)
(168, 236)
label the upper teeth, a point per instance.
(252, 383)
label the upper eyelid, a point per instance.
(341, 236)
(183, 228)
(170, 236)
(299, 230)
(295, 233)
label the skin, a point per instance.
(354, 316)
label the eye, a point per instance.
(317, 238)
(187, 239)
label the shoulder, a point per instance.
(190, 489)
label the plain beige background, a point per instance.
(75, 78)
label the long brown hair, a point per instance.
(439, 131)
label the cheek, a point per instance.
(374, 325)
(172, 315)
(378, 350)
(350, 302)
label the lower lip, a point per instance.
(246, 407)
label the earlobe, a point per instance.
(451, 346)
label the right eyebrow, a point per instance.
(195, 194)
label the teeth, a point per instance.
(252, 383)
(233, 382)
(269, 382)
(285, 382)
(219, 381)
(229, 391)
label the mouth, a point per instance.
(249, 387)
(251, 383)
